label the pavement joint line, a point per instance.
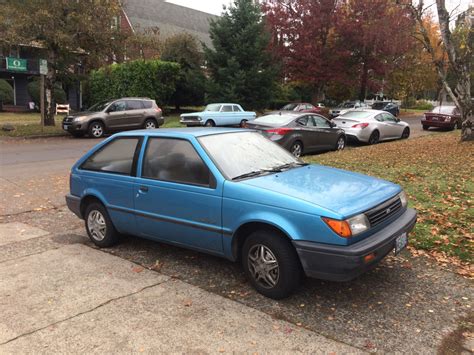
(33, 210)
(11, 182)
(84, 312)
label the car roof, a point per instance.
(131, 98)
(286, 113)
(370, 111)
(182, 132)
(223, 103)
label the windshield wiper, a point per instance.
(289, 165)
(256, 173)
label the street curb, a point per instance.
(33, 137)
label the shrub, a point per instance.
(6, 92)
(34, 90)
(421, 105)
(155, 79)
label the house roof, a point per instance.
(170, 18)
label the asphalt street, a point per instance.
(405, 305)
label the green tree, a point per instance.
(184, 49)
(68, 31)
(241, 68)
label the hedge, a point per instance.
(155, 79)
(6, 92)
(33, 88)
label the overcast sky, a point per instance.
(215, 6)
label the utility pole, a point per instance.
(43, 69)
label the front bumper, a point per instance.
(344, 263)
(74, 126)
(74, 204)
(191, 123)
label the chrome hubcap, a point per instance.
(340, 144)
(96, 225)
(263, 266)
(296, 150)
(150, 125)
(97, 130)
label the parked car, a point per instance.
(443, 117)
(372, 126)
(300, 133)
(114, 115)
(218, 115)
(387, 106)
(346, 106)
(303, 107)
(238, 195)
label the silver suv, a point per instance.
(115, 115)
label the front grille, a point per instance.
(384, 211)
(190, 118)
(68, 119)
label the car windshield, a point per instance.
(275, 119)
(289, 107)
(379, 105)
(355, 114)
(447, 110)
(240, 153)
(346, 105)
(99, 106)
(213, 107)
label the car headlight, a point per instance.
(199, 119)
(78, 118)
(403, 198)
(348, 227)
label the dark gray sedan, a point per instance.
(300, 133)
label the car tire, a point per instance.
(296, 149)
(264, 248)
(425, 128)
(374, 137)
(243, 123)
(99, 226)
(150, 123)
(406, 133)
(96, 129)
(210, 123)
(77, 134)
(340, 143)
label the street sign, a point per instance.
(16, 64)
(43, 66)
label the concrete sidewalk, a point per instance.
(67, 297)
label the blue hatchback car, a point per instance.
(235, 194)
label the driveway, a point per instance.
(405, 305)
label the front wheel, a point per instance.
(96, 129)
(406, 133)
(271, 264)
(341, 143)
(374, 137)
(210, 123)
(425, 128)
(243, 123)
(99, 226)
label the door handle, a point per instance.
(143, 189)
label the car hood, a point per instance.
(83, 113)
(343, 192)
(193, 113)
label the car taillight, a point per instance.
(360, 125)
(279, 131)
(157, 109)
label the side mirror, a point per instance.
(332, 124)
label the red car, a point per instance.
(443, 117)
(302, 107)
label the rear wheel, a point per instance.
(96, 129)
(150, 123)
(406, 133)
(374, 137)
(458, 124)
(297, 149)
(341, 143)
(271, 264)
(210, 123)
(99, 226)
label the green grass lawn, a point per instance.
(436, 172)
(29, 124)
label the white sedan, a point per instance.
(372, 126)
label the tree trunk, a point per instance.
(49, 80)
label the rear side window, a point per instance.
(236, 108)
(174, 160)
(147, 104)
(134, 105)
(116, 157)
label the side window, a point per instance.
(134, 105)
(147, 104)
(118, 106)
(115, 157)
(321, 122)
(226, 108)
(388, 117)
(236, 108)
(379, 118)
(174, 160)
(310, 122)
(309, 107)
(302, 121)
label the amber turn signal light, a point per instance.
(340, 227)
(369, 257)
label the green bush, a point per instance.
(59, 94)
(6, 92)
(155, 79)
(420, 105)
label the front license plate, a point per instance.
(400, 243)
(65, 127)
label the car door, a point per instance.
(326, 134)
(393, 128)
(116, 117)
(227, 116)
(135, 113)
(177, 198)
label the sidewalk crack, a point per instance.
(84, 312)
